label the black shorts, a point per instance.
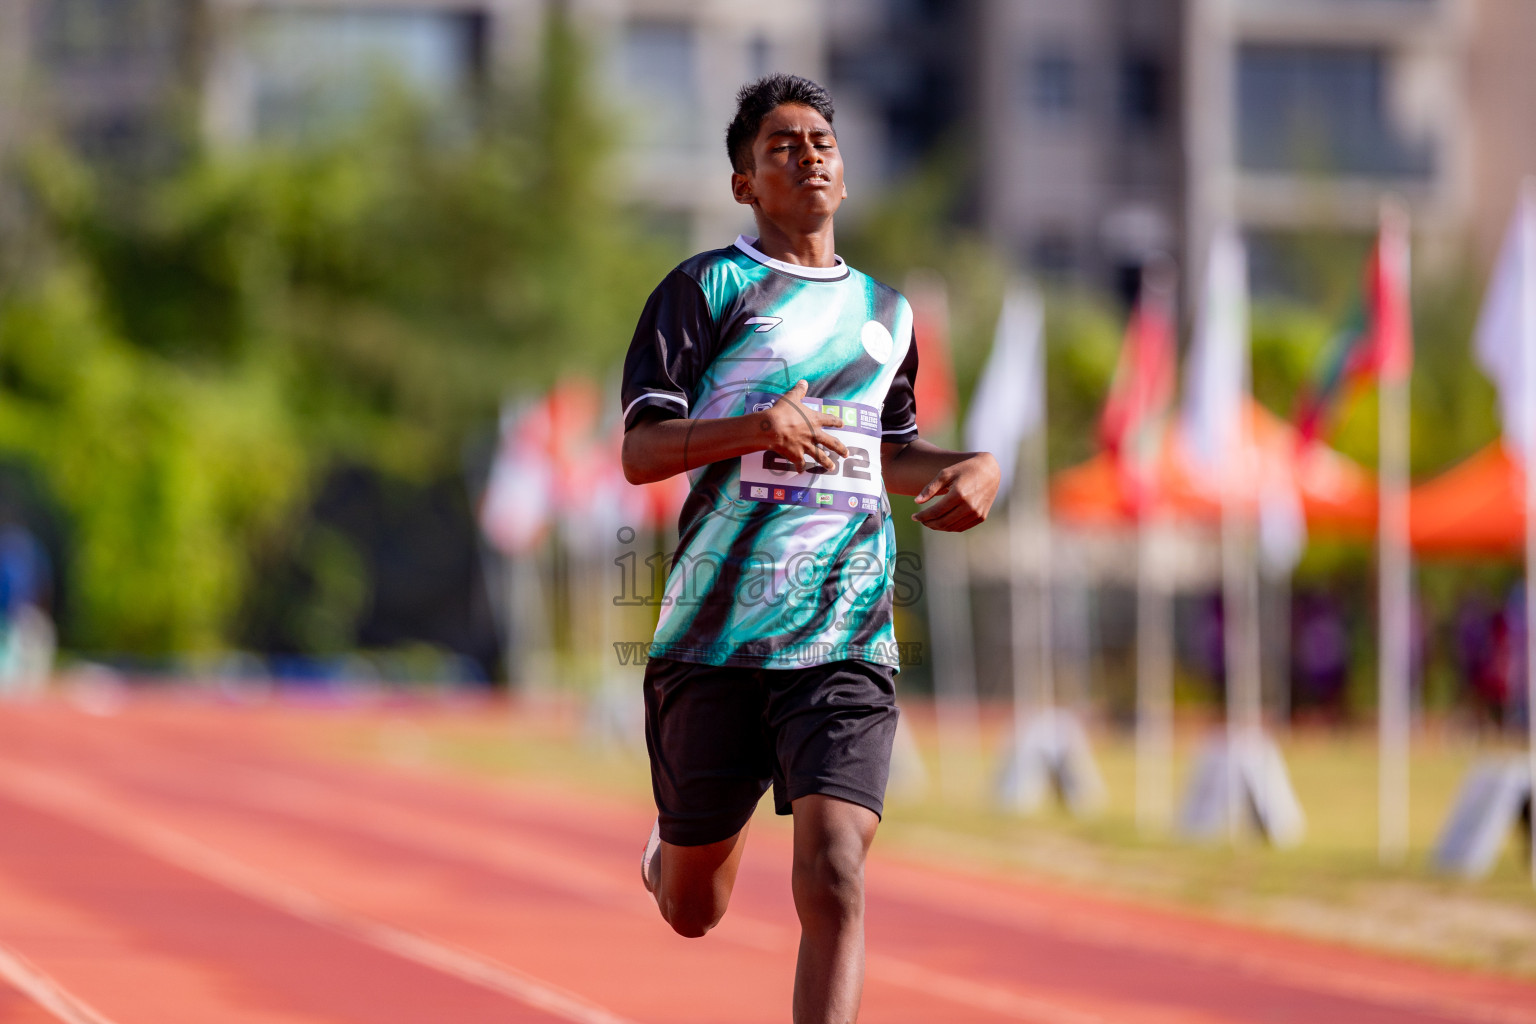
(719, 736)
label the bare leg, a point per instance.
(692, 884)
(832, 838)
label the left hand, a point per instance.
(965, 492)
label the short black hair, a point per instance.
(757, 100)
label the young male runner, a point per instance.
(780, 379)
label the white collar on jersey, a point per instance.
(833, 273)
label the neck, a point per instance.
(813, 248)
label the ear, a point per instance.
(741, 188)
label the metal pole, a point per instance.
(1528, 396)
(1240, 627)
(1024, 696)
(954, 666)
(1240, 619)
(1044, 565)
(1154, 619)
(1394, 662)
(1154, 686)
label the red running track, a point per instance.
(186, 863)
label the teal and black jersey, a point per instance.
(777, 567)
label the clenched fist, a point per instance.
(965, 492)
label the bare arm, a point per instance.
(965, 483)
(655, 449)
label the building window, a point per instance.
(661, 82)
(96, 35)
(1321, 109)
(1052, 84)
(1052, 255)
(315, 70)
(1141, 92)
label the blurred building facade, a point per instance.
(1303, 114)
(899, 72)
(1080, 126)
(1083, 137)
(1501, 83)
(669, 68)
(109, 71)
(1115, 129)
(1120, 129)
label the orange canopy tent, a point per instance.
(1338, 496)
(1476, 508)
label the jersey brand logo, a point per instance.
(765, 323)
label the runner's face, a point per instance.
(797, 177)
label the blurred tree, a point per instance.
(186, 358)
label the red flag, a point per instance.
(543, 466)
(517, 506)
(1140, 394)
(1377, 342)
(654, 505)
(935, 386)
(1388, 349)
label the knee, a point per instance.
(691, 918)
(830, 884)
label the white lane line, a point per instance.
(434, 833)
(46, 992)
(560, 869)
(54, 795)
(298, 794)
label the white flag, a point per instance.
(1282, 520)
(1215, 411)
(516, 509)
(1504, 330)
(1009, 402)
(1216, 373)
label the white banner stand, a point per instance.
(1495, 798)
(1238, 784)
(1049, 757)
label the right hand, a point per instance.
(794, 431)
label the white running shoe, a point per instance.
(652, 847)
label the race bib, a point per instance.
(852, 485)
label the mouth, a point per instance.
(816, 178)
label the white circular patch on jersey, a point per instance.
(877, 341)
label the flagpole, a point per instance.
(1154, 685)
(1030, 594)
(1044, 566)
(1528, 400)
(1154, 624)
(1240, 628)
(1020, 565)
(1394, 631)
(1029, 521)
(956, 710)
